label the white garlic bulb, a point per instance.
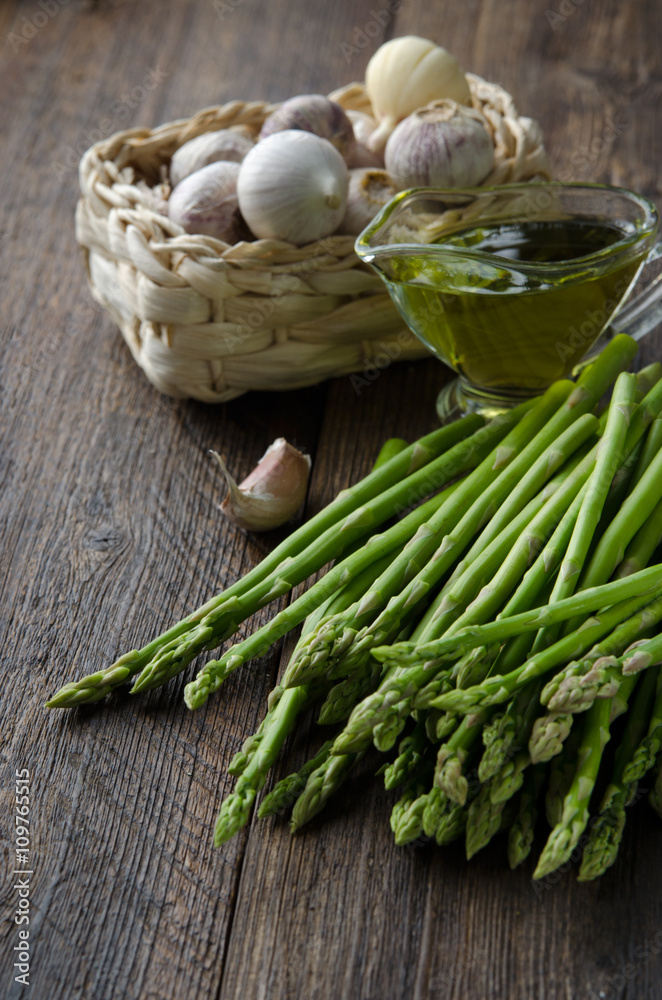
(206, 202)
(444, 145)
(360, 156)
(272, 493)
(225, 144)
(406, 73)
(369, 190)
(293, 186)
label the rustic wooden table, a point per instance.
(110, 532)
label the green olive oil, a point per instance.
(505, 321)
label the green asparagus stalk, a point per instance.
(407, 814)
(561, 772)
(392, 701)
(645, 754)
(635, 511)
(652, 445)
(483, 821)
(609, 457)
(237, 806)
(548, 735)
(452, 757)
(410, 755)
(322, 783)
(607, 829)
(287, 790)
(565, 836)
(521, 833)
(643, 545)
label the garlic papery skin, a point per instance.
(206, 202)
(444, 145)
(293, 186)
(272, 493)
(405, 74)
(313, 113)
(369, 190)
(364, 125)
(210, 147)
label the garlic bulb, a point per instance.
(406, 73)
(226, 144)
(272, 493)
(369, 190)
(364, 125)
(293, 186)
(205, 202)
(313, 113)
(443, 145)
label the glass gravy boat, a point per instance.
(515, 286)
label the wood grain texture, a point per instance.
(110, 532)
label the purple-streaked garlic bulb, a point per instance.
(313, 113)
(210, 147)
(369, 190)
(443, 145)
(206, 202)
(364, 125)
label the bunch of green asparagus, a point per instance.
(490, 619)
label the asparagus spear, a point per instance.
(561, 772)
(641, 547)
(453, 755)
(607, 829)
(288, 789)
(520, 835)
(320, 786)
(548, 736)
(608, 460)
(483, 820)
(566, 834)
(410, 755)
(236, 808)
(634, 513)
(644, 756)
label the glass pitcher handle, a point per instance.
(637, 318)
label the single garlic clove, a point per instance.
(206, 202)
(272, 493)
(226, 144)
(369, 190)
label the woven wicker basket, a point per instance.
(210, 321)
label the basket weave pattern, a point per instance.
(210, 321)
